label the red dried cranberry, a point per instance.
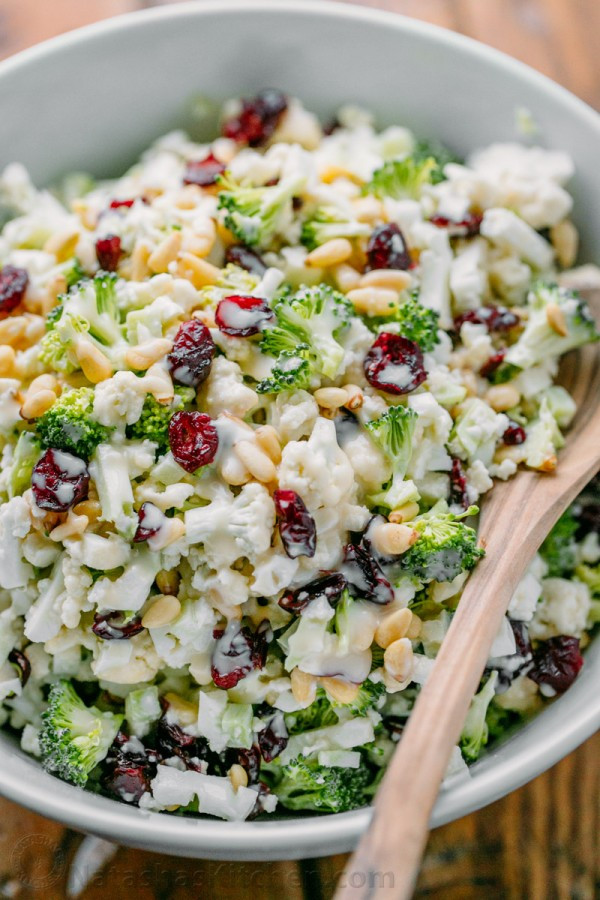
(262, 792)
(128, 773)
(387, 249)
(191, 357)
(240, 316)
(105, 628)
(238, 652)
(193, 439)
(515, 434)
(521, 633)
(108, 252)
(493, 363)
(394, 364)
(296, 525)
(246, 259)
(150, 519)
(458, 485)
(20, 661)
(118, 204)
(59, 480)
(273, 738)
(364, 574)
(556, 663)
(495, 318)
(467, 227)
(330, 586)
(203, 172)
(249, 759)
(13, 284)
(257, 119)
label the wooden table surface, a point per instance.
(542, 841)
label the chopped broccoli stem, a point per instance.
(393, 433)
(69, 424)
(475, 733)
(328, 223)
(27, 452)
(445, 547)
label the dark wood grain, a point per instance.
(540, 843)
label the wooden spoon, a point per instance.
(515, 519)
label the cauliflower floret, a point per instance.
(476, 348)
(505, 229)
(357, 341)
(293, 414)
(525, 598)
(173, 496)
(478, 481)
(468, 277)
(371, 468)
(317, 469)
(134, 663)
(216, 795)
(98, 552)
(10, 406)
(119, 400)
(431, 434)
(522, 696)
(189, 639)
(15, 524)
(563, 609)
(130, 590)
(272, 573)
(226, 391)
(225, 589)
(77, 585)
(435, 263)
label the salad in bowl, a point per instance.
(250, 395)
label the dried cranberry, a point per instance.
(191, 357)
(172, 739)
(331, 586)
(13, 284)
(556, 663)
(495, 318)
(108, 252)
(118, 204)
(238, 652)
(387, 249)
(296, 525)
(20, 661)
(257, 119)
(248, 759)
(394, 364)
(240, 316)
(515, 434)
(203, 172)
(458, 485)
(193, 439)
(365, 575)
(105, 628)
(246, 259)
(493, 363)
(521, 633)
(59, 480)
(273, 738)
(467, 227)
(127, 772)
(395, 726)
(261, 794)
(150, 520)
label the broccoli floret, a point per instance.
(73, 272)
(27, 452)
(254, 214)
(542, 338)
(475, 733)
(308, 323)
(292, 371)
(442, 155)
(445, 546)
(590, 575)
(69, 424)
(500, 720)
(53, 316)
(304, 784)
(56, 351)
(401, 178)
(153, 424)
(369, 696)
(412, 320)
(558, 550)
(75, 738)
(319, 714)
(393, 432)
(328, 223)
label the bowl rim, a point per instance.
(311, 835)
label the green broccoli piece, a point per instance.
(412, 320)
(292, 371)
(56, 352)
(475, 733)
(432, 149)
(27, 452)
(69, 424)
(73, 272)
(53, 316)
(401, 178)
(558, 549)
(319, 714)
(328, 223)
(74, 737)
(304, 784)
(254, 214)
(500, 720)
(539, 340)
(369, 697)
(590, 575)
(153, 424)
(308, 323)
(445, 546)
(393, 433)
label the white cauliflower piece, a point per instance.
(10, 406)
(77, 585)
(272, 573)
(525, 598)
(468, 276)
(119, 400)
(293, 414)
(435, 263)
(563, 609)
(216, 795)
(226, 391)
(505, 229)
(189, 637)
(317, 469)
(98, 552)
(130, 590)
(478, 481)
(15, 524)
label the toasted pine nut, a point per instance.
(7, 360)
(143, 356)
(414, 629)
(549, 465)
(331, 253)
(188, 197)
(200, 272)
(556, 319)
(392, 279)
(398, 659)
(393, 627)
(166, 252)
(164, 609)
(368, 209)
(233, 470)
(43, 382)
(238, 776)
(392, 539)
(355, 396)
(404, 513)
(304, 687)
(256, 461)
(158, 383)
(339, 690)
(205, 315)
(34, 329)
(200, 243)
(186, 713)
(167, 581)
(330, 172)
(89, 508)
(565, 240)
(139, 261)
(331, 397)
(62, 244)
(95, 365)
(268, 440)
(373, 301)
(73, 526)
(502, 397)
(37, 404)
(12, 329)
(346, 277)
(170, 532)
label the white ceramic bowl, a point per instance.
(94, 98)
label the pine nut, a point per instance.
(330, 172)
(368, 209)
(233, 471)
(565, 240)
(12, 329)
(62, 244)
(392, 279)
(268, 439)
(373, 301)
(502, 397)
(392, 539)
(170, 532)
(398, 659)
(207, 316)
(139, 261)
(43, 382)
(7, 360)
(157, 382)
(393, 627)
(339, 690)
(331, 253)
(304, 687)
(143, 356)
(36, 405)
(185, 712)
(414, 629)
(35, 327)
(94, 364)
(166, 252)
(200, 272)
(404, 513)
(89, 508)
(256, 461)
(188, 197)
(355, 396)
(74, 525)
(331, 397)
(167, 581)
(346, 278)
(549, 465)
(201, 243)
(238, 776)
(164, 610)
(556, 319)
